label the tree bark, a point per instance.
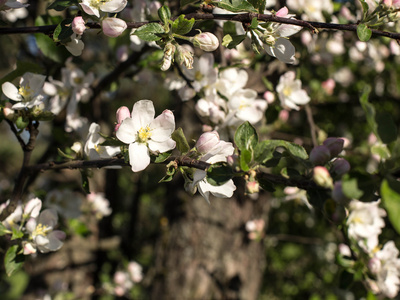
(205, 253)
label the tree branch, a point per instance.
(243, 18)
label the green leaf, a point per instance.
(182, 26)
(235, 5)
(231, 41)
(79, 227)
(350, 188)
(259, 5)
(150, 32)
(229, 28)
(161, 157)
(16, 234)
(390, 192)
(60, 5)
(245, 159)
(265, 150)
(246, 137)
(387, 129)
(63, 154)
(12, 260)
(365, 7)
(181, 143)
(254, 23)
(3, 230)
(50, 49)
(171, 171)
(369, 109)
(219, 173)
(363, 32)
(164, 14)
(63, 30)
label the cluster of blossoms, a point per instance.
(124, 281)
(35, 228)
(364, 225)
(12, 10)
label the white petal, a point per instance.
(139, 157)
(90, 10)
(163, 126)
(127, 132)
(113, 6)
(162, 147)
(143, 113)
(11, 91)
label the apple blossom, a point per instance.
(146, 135)
(110, 6)
(66, 202)
(113, 27)
(218, 153)
(99, 205)
(42, 233)
(75, 46)
(93, 149)
(290, 93)
(365, 223)
(29, 93)
(322, 177)
(207, 141)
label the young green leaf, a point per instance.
(164, 13)
(12, 260)
(219, 173)
(150, 32)
(181, 143)
(390, 192)
(235, 5)
(363, 32)
(246, 137)
(182, 26)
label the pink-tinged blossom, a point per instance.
(290, 92)
(113, 27)
(146, 135)
(328, 86)
(122, 113)
(44, 237)
(322, 177)
(29, 93)
(14, 218)
(255, 228)
(218, 153)
(206, 41)
(365, 223)
(110, 6)
(207, 141)
(33, 207)
(78, 25)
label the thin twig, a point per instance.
(313, 128)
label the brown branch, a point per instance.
(243, 18)
(23, 174)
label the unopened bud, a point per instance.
(207, 141)
(184, 57)
(169, 51)
(78, 25)
(122, 113)
(340, 166)
(269, 97)
(320, 155)
(335, 145)
(206, 41)
(322, 177)
(8, 112)
(252, 187)
(113, 27)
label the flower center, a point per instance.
(287, 91)
(97, 3)
(144, 134)
(98, 149)
(41, 230)
(25, 91)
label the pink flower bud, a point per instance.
(335, 145)
(283, 12)
(322, 177)
(320, 155)
(206, 41)
(29, 249)
(338, 195)
(207, 141)
(344, 250)
(78, 25)
(269, 97)
(122, 113)
(113, 27)
(328, 85)
(252, 187)
(8, 112)
(340, 166)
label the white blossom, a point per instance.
(146, 135)
(290, 93)
(93, 149)
(93, 7)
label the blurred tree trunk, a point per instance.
(205, 253)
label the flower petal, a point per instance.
(139, 156)
(143, 113)
(11, 91)
(161, 147)
(127, 132)
(163, 126)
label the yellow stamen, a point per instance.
(41, 230)
(287, 91)
(25, 91)
(144, 134)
